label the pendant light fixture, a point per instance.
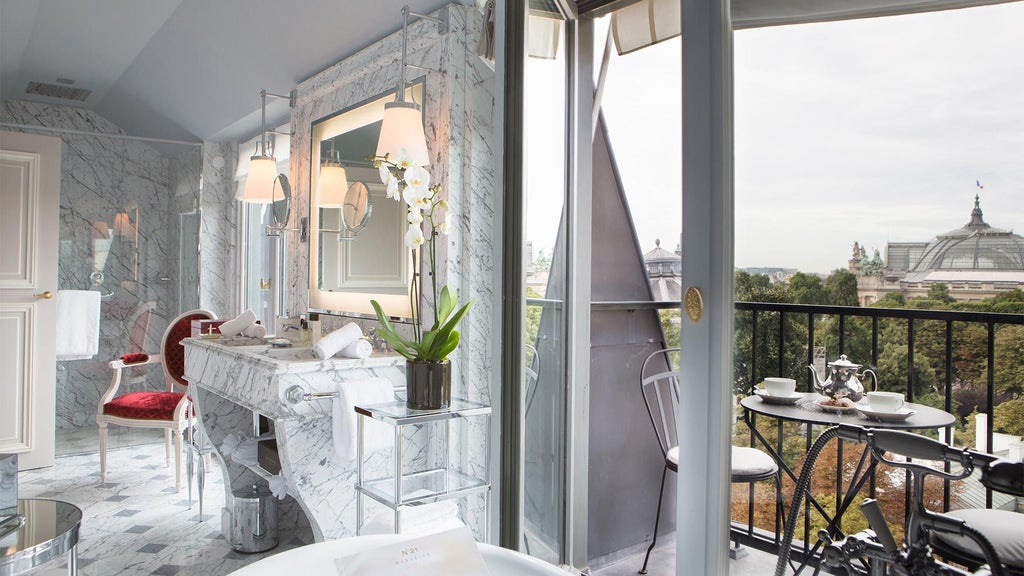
(259, 183)
(402, 125)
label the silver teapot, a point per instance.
(842, 380)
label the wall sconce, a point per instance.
(127, 229)
(123, 226)
(262, 177)
(402, 126)
(333, 182)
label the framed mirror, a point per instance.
(357, 234)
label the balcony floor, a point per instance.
(663, 563)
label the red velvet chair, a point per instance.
(168, 408)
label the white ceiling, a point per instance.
(186, 69)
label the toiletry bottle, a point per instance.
(303, 330)
(314, 328)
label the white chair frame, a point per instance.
(178, 424)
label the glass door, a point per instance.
(544, 397)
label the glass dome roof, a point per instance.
(976, 246)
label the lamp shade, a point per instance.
(259, 184)
(122, 225)
(402, 127)
(332, 186)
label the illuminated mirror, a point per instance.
(357, 234)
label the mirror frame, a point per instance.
(398, 307)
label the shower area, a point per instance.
(129, 228)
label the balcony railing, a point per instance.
(780, 340)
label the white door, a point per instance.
(29, 217)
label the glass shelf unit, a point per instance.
(405, 489)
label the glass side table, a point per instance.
(50, 530)
(398, 489)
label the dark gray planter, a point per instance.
(428, 385)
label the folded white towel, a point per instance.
(236, 325)
(255, 331)
(336, 341)
(78, 315)
(246, 453)
(426, 519)
(361, 348)
(376, 435)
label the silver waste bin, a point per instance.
(253, 526)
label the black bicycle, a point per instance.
(874, 551)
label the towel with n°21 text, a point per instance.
(441, 554)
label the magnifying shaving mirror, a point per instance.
(281, 205)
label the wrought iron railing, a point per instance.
(763, 323)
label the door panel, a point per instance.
(29, 212)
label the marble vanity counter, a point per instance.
(257, 375)
(231, 379)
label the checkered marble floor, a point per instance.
(135, 524)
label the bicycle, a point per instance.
(874, 551)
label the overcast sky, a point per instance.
(870, 130)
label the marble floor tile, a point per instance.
(136, 524)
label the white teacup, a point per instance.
(782, 387)
(885, 401)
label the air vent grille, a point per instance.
(55, 91)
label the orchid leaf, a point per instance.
(451, 344)
(446, 304)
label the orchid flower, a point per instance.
(414, 237)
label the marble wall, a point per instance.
(460, 117)
(218, 247)
(100, 177)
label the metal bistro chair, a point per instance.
(659, 386)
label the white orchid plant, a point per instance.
(410, 183)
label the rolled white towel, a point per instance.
(361, 348)
(236, 325)
(278, 486)
(230, 443)
(255, 331)
(336, 341)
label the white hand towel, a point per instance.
(376, 435)
(336, 341)
(78, 315)
(359, 349)
(255, 331)
(236, 325)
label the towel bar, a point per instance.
(294, 395)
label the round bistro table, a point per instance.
(807, 411)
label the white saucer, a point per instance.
(279, 342)
(769, 399)
(897, 416)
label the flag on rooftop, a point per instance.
(978, 182)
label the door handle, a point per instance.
(46, 295)
(266, 284)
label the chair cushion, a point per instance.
(134, 357)
(144, 405)
(174, 352)
(1004, 529)
(749, 464)
(673, 455)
